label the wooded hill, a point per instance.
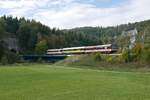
(35, 38)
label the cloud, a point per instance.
(74, 13)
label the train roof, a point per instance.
(82, 47)
(85, 47)
(53, 50)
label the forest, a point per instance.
(35, 38)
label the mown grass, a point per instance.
(47, 82)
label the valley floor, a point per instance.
(48, 82)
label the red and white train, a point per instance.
(107, 49)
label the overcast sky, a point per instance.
(78, 13)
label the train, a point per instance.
(53, 55)
(105, 49)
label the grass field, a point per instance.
(47, 82)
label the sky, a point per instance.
(66, 14)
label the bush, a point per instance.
(41, 47)
(110, 59)
(10, 58)
(145, 55)
(114, 59)
(126, 56)
(137, 52)
(4, 60)
(97, 56)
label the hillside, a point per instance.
(105, 63)
(35, 38)
(114, 30)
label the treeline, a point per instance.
(35, 38)
(113, 34)
(114, 30)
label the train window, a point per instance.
(108, 47)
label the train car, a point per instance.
(108, 48)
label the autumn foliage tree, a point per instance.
(41, 47)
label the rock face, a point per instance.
(133, 36)
(11, 44)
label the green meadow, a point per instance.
(48, 82)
